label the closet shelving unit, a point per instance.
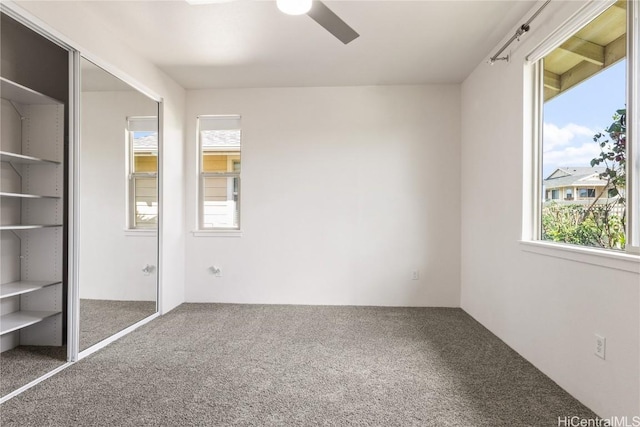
(31, 220)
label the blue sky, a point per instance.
(145, 139)
(572, 118)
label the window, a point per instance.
(555, 194)
(569, 194)
(587, 193)
(219, 140)
(142, 171)
(582, 101)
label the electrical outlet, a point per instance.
(415, 275)
(601, 346)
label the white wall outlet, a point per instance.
(601, 346)
(415, 275)
(148, 269)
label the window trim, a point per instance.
(532, 154)
(200, 230)
(617, 260)
(216, 233)
(633, 127)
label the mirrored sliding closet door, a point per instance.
(118, 205)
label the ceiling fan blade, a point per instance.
(331, 22)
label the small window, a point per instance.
(555, 194)
(142, 189)
(569, 194)
(587, 193)
(219, 139)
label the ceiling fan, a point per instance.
(315, 9)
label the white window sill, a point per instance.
(600, 257)
(217, 233)
(140, 232)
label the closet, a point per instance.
(79, 206)
(34, 135)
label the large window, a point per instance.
(583, 137)
(219, 140)
(142, 170)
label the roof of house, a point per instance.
(575, 176)
(575, 171)
(221, 139)
(147, 142)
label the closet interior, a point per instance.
(33, 212)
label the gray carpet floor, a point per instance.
(99, 319)
(21, 365)
(252, 365)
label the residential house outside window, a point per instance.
(142, 171)
(219, 140)
(581, 108)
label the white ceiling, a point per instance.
(251, 44)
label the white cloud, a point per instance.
(571, 156)
(555, 137)
(571, 145)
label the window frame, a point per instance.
(533, 116)
(633, 127)
(201, 230)
(132, 176)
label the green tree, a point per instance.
(613, 153)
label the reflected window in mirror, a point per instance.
(142, 148)
(220, 167)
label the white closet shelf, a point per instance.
(23, 95)
(6, 156)
(28, 227)
(26, 196)
(24, 286)
(21, 319)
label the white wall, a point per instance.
(345, 191)
(86, 31)
(547, 309)
(111, 259)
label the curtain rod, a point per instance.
(519, 32)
